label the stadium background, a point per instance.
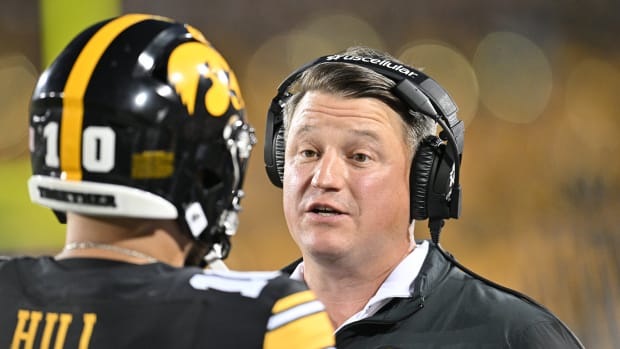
(536, 83)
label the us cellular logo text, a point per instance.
(377, 61)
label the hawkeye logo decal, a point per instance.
(192, 61)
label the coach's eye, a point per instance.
(360, 157)
(308, 153)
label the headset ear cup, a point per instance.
(278, 154)
(420, 178)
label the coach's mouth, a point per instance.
(324, 210)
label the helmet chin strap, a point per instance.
(214, 258)
(228, 222)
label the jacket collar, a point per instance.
(434, 269)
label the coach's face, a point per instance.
(346, 178)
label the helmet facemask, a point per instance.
(210, 211)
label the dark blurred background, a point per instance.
(535, 81)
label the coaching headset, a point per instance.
(434, 180)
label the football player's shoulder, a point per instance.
(18, 260)
(246, 283)
(269, 286)
(13, 266)
(297, 316)
(283, 285)
(3, 260)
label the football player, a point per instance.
(139, 142)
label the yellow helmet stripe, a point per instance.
(75, 88)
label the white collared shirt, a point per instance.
(396, 285)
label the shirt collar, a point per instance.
(397, 284)
(298, 273)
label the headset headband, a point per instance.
(412, 86)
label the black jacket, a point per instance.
(450, 308)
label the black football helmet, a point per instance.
(140, 116)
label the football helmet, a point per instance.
(140, 116)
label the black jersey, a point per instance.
(94, 303)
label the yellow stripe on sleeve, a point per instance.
(299, 320)
(310, 332)
(73, 100)
(293, 300)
